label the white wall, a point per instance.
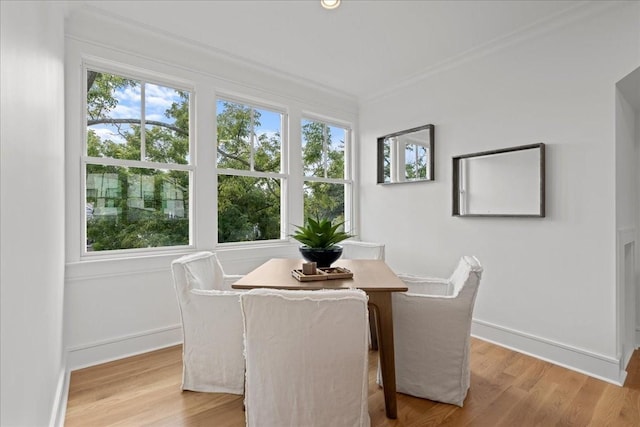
(549, 284)
(118, 307)
(627, 199)
(32, 213)
(626, 174)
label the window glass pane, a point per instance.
(324, 200)
(323, 149)
(248, 138)
(167, 124)
(235, 128)
(248, 208)
(336, 138)
(113, 116)
(313, 135)
(267, 141)
(136, 208)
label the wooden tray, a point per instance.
(337, 273)
(329, 273)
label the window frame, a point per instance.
(284, 174)
(144, 77)
(205, 88)
(348, 179)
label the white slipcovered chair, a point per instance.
(307, 358)
(212, 349)
(355, 249)
(432, 329)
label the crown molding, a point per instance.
(581, 10)
(202, 48)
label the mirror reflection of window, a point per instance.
(406, 156)
(416, 157)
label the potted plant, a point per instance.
(320, 238)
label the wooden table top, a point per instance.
(368, 275)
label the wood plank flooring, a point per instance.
(507, 389)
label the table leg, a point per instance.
(381, 301)
(373, 330)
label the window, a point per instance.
(250, 172)
(327, 177)
(137, 164)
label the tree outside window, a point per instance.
(326, 177)
(250, 177)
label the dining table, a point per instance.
(374, 277)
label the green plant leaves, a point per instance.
(320, 233)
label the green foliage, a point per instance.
(325, 200)
(248, 208)
(150, 229)
(320, 233)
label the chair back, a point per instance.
(353, 249)
(200, 270)
(306, 357)
(467, 274)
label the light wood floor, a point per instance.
(507, 389)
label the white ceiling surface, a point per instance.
(359, 49)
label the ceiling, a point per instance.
(358, 49)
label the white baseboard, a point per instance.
(121, 347)
(596, 365)
(606, 368)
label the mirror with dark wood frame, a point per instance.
(508, 182)
(406, 156)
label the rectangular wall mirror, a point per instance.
(406, 156)
(509, 182)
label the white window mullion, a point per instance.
(325, 151)
(252, 139)
(350, 222)
(108, 161)
(253, 174)
(327, 180)
(348, 173)
(143, 144)
(284, 170)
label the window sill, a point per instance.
(112, 264)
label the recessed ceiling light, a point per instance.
(330, 4)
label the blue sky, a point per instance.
(157, 100)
